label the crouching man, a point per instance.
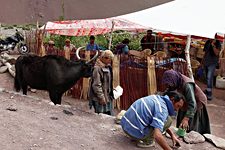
(149, 116)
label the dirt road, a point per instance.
(31, 123)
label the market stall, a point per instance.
(94, 27)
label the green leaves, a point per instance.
(101, 40)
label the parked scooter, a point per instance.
(12, 42)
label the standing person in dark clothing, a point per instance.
(193, 115)
(148, 42)
(122, 48)
(210, 61)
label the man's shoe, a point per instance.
(208, 95)
(209, 98)
(142, 144)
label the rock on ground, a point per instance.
(194, 138)
(219, 142)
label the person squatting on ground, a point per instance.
(100, 93)
(148, 117)
(193, 115)
(212, 49)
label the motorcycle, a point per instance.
(11, 42)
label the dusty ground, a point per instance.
(37, 125)
(216, 110)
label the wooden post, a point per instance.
(42, 48)
(40, 45)
(187, 56)
(151, 78)
(85, 87)
(110, 39)
(116, 77)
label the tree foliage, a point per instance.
(101, 40)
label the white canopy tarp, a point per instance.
(195, 17)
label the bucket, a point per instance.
(220, 82)
(181, 132)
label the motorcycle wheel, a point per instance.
(23, 49)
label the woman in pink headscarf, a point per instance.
(194, 115)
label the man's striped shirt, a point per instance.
(148, 111)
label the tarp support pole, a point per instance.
(151, 76)
(110, 39)
(85, 80)
(187, 56)
(116, 78)
(39, 40)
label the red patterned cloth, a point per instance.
(91, 27)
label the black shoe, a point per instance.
(209, 98)
(208, 95)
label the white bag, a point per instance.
(117, 92)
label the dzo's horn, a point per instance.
(77, 52)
